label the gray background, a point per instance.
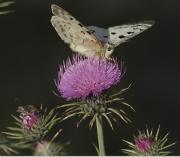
(31, 52)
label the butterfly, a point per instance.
(93, 41)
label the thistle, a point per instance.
(6, 147)
(32, 124)
(148, 143)
(29, 117)
(4, 6)
(88, 82)
(45, 148)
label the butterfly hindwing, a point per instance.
(100, 33)
(122, 33)
(73, 32)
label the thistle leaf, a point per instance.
(163, 140)
(97, 150)
(120, 92)
(92, 121)
(6, 146)
(126, 104)
(108, 120)
(69, 116)
(170, 145)
(129, 143)
(82, 119)
(4, 5)
(132, 152)
(157, 133)
(55, 136)
(118, 114)
(68, 105)
(115, 100)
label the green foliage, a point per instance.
(6, 147)
(158, 147)
(4, 7)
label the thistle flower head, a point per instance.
(46, 148)
(143, 144)
(83, 77)
(29, 117)
(32, 124)
(88, 81)
(29, 121)
(148, 143)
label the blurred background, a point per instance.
(31, 51)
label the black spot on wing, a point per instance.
(71, 18)
(89, 32)
(135, 28)
(109, 49)
(92, 31)
(130, 32)
(62, 29)
(80, 25)
(83, 32)
(141, 29)
(138, 29)
(113, 33)
(65, 35)
(105, 36)
(121, 36)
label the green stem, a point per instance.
(99, 126)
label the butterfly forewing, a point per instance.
(73, 32)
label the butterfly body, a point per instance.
(97, 50)
(92, 41)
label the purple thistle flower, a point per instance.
(149, 143)
(29, 117)
(143, 144)
(29, 121)
(41, 147)
(46, 148)
(82, 77)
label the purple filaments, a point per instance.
(80, 77)
(29, 120)
(143, 144)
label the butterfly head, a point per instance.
(109, 48)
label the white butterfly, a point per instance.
(93, 41)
